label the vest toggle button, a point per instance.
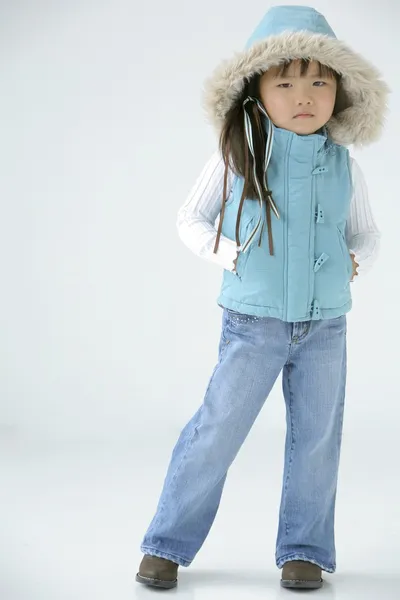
(319, 214)
(320, 261)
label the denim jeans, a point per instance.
(252, 353)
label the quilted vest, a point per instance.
(308, 276)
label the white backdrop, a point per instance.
(109, 325)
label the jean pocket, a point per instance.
(236, 319)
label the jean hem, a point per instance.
(329, 568)
(183, 562)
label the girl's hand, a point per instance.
(235, 261)
(355, 267)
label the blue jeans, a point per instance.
(252, 353)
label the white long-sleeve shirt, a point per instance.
(197, 217)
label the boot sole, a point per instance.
(157, 583)
(298, 584)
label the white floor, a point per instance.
(73, 514)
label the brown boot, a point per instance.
(301, 575)
(157, 572)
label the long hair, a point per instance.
(235, 151)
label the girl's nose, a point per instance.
(305, 100)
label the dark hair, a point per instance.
(234, 147)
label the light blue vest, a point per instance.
(308, 277)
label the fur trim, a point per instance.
(363, 93)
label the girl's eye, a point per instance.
(288, 85)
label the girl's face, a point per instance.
(300, 103)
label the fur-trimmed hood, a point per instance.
(291, 32)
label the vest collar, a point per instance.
(282, 136)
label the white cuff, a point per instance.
(226, 254)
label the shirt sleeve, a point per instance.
(196, 218)
(362, 233)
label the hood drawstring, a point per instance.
(270, 204)
(268, 151)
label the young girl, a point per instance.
(295, 225)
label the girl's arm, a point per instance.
(196, 218)
(362, 233)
